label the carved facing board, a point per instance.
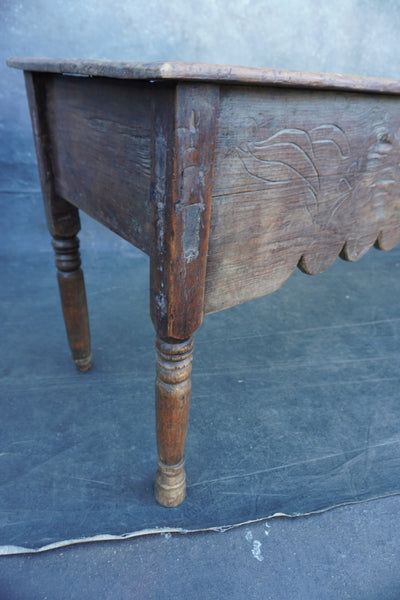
(300, 178)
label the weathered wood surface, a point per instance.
(100, 132)
(73, 300)
(62, 218)
(183, 148)
(173, 386)
(172, 70)
(227, 187)
(300, 177)
(63, 223)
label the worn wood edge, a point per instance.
(384, 241)
(61, 216)
(170, 70)
(170, 484)
(182, 174)
(347, 253)
(173, 387)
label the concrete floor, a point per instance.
(349, 552)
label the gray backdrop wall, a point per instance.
(347, 36)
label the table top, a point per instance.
(184, 71)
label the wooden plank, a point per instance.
(300, 177)
(183, 151)
(100, 132)
(230, 74)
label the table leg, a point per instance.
(173, 385)
(73, 299)
(183, 142)
(63, 224)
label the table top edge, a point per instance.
(212, 73)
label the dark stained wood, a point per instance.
(100, 131)
(182, 172)
(62, 217)
(174, 365)
(170, 70)
(227, 177)
(73, 300)
(63, 224)
(300, 177)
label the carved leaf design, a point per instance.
(377, 194)
(313, 160)
(331, 134)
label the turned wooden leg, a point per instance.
(63, 224)
(73, 299)
(174, 364)
(184, 128)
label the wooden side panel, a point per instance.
(100, 132)
(300, 178)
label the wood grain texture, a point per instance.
(227, 187)
(300, 177)
(63, 223)
(172, 70)
(73, 300)
(182, 173)
(100, 132)
(173, 386)
(61, 216)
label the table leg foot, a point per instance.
(174, 364)
(170, 484)
(73, 299)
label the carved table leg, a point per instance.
(174, 364)
(73, 299)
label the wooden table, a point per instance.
(227, 177)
